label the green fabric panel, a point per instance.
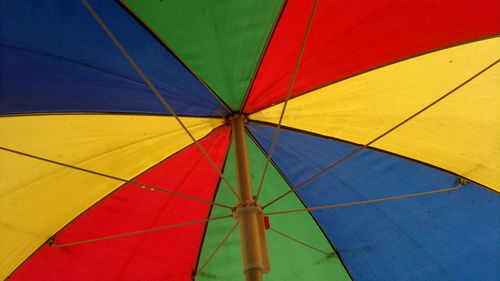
(220, 40)
(289, 260)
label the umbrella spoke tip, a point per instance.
(50, 241)
(463, 181)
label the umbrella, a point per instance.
(343, 140)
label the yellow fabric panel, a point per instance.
(363, 107)
(38, 198)
(460, 134)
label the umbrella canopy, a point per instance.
(372, 138)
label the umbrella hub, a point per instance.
(236, 115)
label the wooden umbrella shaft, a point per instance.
(248, 212)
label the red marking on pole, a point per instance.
(267, 225)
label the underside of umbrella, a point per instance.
(257, 140)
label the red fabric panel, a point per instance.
(352, 36)
(169, 254)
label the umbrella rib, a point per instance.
(303, 243)
(289, 92)
(462, 183)
(113, 177)
(216, 249)
(383, 134)
(135, 232)
(172, 51)
(157, 93)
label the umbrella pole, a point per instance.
(248, 212)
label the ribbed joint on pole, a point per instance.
(253, 239)
(248, 212)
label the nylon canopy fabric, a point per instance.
(38, 198)
(461, 143)
(445, 236)
(212, 38)
(67, 63)
(350, 37)
(132, 208)
(290, 260)
(388, 99)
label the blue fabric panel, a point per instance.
(444, 236)
(54, 57)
